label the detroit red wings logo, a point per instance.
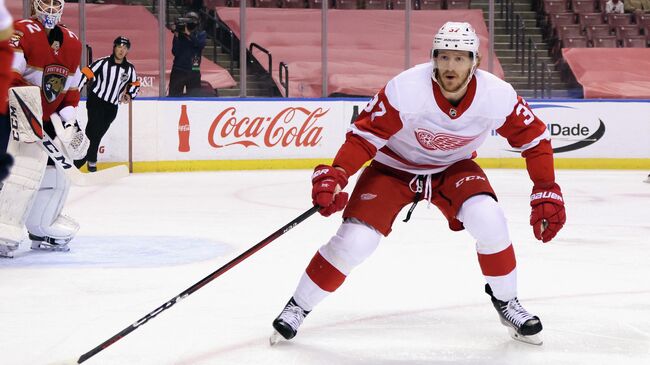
(441, 141)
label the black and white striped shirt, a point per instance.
(110, 80)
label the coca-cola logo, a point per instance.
(292, 126)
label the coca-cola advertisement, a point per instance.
(252, 130)
(292, 126)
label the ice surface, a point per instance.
(418, 300)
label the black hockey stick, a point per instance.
(199, 284)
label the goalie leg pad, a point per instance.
(26, 113)
(45, 222)
(19, 190)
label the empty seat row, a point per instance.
(575, 6)
(591, 31)
(586, 19)
(604, 42)
(345, 4)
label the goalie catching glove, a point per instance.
(327, 183)
(71, 135)
(547, 216)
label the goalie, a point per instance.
(44, 99)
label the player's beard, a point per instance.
(441, 81)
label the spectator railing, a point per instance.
(89, 53)
(520, 42)
(538, 84)
(268, 55)
(284, 83)
(221, 36)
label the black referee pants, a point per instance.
(100, 116)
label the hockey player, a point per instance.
(421, 132)
(46, 55)
(6, 55)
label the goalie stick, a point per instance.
(232, 263)
(56, 152)
(61, 159)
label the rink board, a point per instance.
(243, 134)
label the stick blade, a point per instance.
(101, 177)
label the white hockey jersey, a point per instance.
(409, 125)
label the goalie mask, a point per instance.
(48, 12)
(456, 36)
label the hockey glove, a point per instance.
(327, 183)
(547, 216)
(72, 136)
(6, 161)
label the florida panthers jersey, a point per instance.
(409, 125)
(54, 68)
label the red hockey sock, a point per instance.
(324, 274)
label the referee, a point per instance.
(113, 80)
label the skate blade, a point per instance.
(532, 340)
(46, 247)
(275, 338)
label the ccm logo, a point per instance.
(469, 178)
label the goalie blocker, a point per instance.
(34, 193)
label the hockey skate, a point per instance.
(7, 249)
(522, 326)
(287, 323)
(92, 166)
(49, 243)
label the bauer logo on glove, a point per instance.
(547, 215)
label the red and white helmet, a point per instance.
(456, 36)
(48, 12)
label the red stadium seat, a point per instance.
(557, 20)
(267, 3)
(458, 4)
(430, 4)
(211, 4)
(401, 4)
(597, 31)
(643, 20)
(293, 4)
(376, 4)
(587, 19)
(346, 4)
(615, 20)
(638, 41)
(624, 31)
(555, 6)
(605, 42)
(583, 6)
(568, 31)
(574, 42)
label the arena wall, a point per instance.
(233, 134)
